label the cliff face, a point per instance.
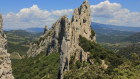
(63, 37)
(5, 62)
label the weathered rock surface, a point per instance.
(104, 65)
(63, 38)
(5, 62)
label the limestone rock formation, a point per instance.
(64, 36)
(5, 62)
(104, 65)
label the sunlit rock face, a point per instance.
(64, 36)
(5, 62)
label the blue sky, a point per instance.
(22, 14)
(15, 5)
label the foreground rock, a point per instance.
(64, 36)
(5, 62)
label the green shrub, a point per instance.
(99, 53)
(92, 33)
(78, 64)
(37, 67)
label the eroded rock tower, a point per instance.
(64, 36)
(5, 62)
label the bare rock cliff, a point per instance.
(64, 36)
(5, 62)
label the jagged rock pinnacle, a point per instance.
(46, 29)
(64, 36)
(1, 20)
(5, 62)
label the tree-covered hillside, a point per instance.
(39, 67)
(113, 67)
(129, 50)
(133, 38)
(19, 40)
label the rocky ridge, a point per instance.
(5, 62)
(64, 36)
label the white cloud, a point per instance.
(104, 12)
(113, 13)
(33, 17)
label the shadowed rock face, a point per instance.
(5, 62)
(63, 37)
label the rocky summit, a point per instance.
(5, 62)
(64, 37)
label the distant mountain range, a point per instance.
(100, 27)
(104, 32)
(114, 27)
(113, 34)
(34, 30)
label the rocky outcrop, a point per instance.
(15, 55)
(5, 62)
(104, 65)
(46, 29)
(64, 36)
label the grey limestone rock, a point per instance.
(46, 29)
(5, 62)
(63, 38)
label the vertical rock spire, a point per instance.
(64, 36)
(1, 20)
(5, 62)
(79, 26)
(46, 29)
